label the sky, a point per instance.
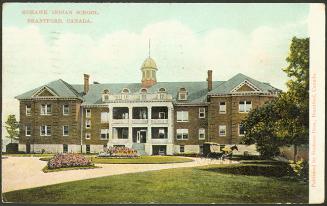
(186, 41)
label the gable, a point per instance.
(45, 92)
(245, 88)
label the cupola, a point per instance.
(149, 69)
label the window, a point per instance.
(65, 148)
(104, 117)
(46, 109)
(182, 94)
(162, 115)
(222, 130)
(222, 107)
(181, 148)
(162, 95)
(202, 133)
(87, 135)
(87, 123)
(104, 134)
(161, 134)
(87, 149)
(182, 134)
(202, 112)
(241, 130)
(65, 109)
(28, 130)
(65, 130)
(88, 113)
(245, 106)
(105, 97)
(201, 149)
(28, 110)
(45, 130)
(182, 116)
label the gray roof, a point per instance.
(60, 87)
(197, 91)
(229, 85)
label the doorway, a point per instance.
(28, 148)
(141, 136)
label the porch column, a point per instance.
(110, 125)
(170, 124)
(130, 130)
(149, 133)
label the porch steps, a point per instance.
(140, 148)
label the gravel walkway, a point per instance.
(26, 172)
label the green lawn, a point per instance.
(206, 184)
(141, 160)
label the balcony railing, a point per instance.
(139, 121)
(138, 97)
(159, 121)
(120, 121)
(160, 141)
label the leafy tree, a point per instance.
(12, 126)
(285, 120)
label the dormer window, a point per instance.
(124, 92)
(182, 94)
(105, 95)
(162, 93)
(143, 93)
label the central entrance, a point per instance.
(139, 134)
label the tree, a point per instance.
(12, 126)
(285, 120)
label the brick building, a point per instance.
(151, 117)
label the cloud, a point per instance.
(32, 57)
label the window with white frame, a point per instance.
(65, 109)
(104, 117)
(222, 107)
(65, 130)
(28, 110)
(87, 123)
(222, 130)
(45, 130)
(244, 106)
(202, 112)
(88, 113)
(104, 134)
(202, 133)
(241, 130)
(28, 130)
(182, 116)
(87, 135)
(182, 134)
(46, 109)
(181, 148)
(182, 94)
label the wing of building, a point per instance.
(150, 116)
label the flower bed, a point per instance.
(68, 160)
(119, 152)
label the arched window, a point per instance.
(144, 90)
(105, 95)
(125, 91)
(106, 91)
(162, 89)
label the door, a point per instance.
(141, 136)
(28, 148)
(65, 148)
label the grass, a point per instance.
(141, 160)
(206, 184)
(46, 169)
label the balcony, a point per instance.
(120, 121)
(139, 97)
(159, 121)
(139, 121)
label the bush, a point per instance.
(123, 152)
(300, 169)
(68, 160)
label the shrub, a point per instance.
(68, 160)
(124, 152)
(300, 169)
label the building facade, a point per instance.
(152, 117)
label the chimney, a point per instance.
(86, 83)
(209, 79)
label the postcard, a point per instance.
(206, 103)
